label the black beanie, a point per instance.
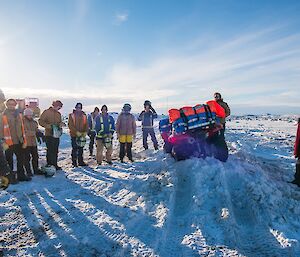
(78, 105)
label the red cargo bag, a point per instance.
(218, 109)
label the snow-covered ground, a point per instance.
(159, 207)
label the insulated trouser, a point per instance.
(146, 132)
(52, 150)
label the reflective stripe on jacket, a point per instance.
(77, 123)
(6, 131)
(104, 125)
(92, 121)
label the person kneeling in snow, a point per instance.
(297, 155)
(146, 117)
(78, 126)
(31, 151)
(126, 131)
(105, 128)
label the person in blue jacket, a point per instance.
(92, 132)
(146, 117)
(105, 128)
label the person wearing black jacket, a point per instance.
(146, 117)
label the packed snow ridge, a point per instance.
(159, 207)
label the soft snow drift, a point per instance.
(159, 207)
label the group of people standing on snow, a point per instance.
(19, 133)
(101, 127)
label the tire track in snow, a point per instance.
(114, 230)
(253, 236)
(177, 223)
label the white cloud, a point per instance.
(254, 69)
(256, 64)
(121, 17)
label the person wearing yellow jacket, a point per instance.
(78, 127)
(13, 137)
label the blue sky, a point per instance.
(172, 52)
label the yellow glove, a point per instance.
(4, 182)
(24, 145)
(83, 134)
(78, 134)
(5, 146)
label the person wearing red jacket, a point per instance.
(296, 181)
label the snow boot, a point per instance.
(13, 178)
(74, 164)
(24, 178)
(38, 172)
(58, 167)
(83, 164)
(296, 181)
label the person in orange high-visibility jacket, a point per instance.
(13, 137)
(78, 126)
(297, 155)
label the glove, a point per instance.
(24, 145)
(78, 134)
(5, 146)
(4, 182)
(83, 134)
(40, 136)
